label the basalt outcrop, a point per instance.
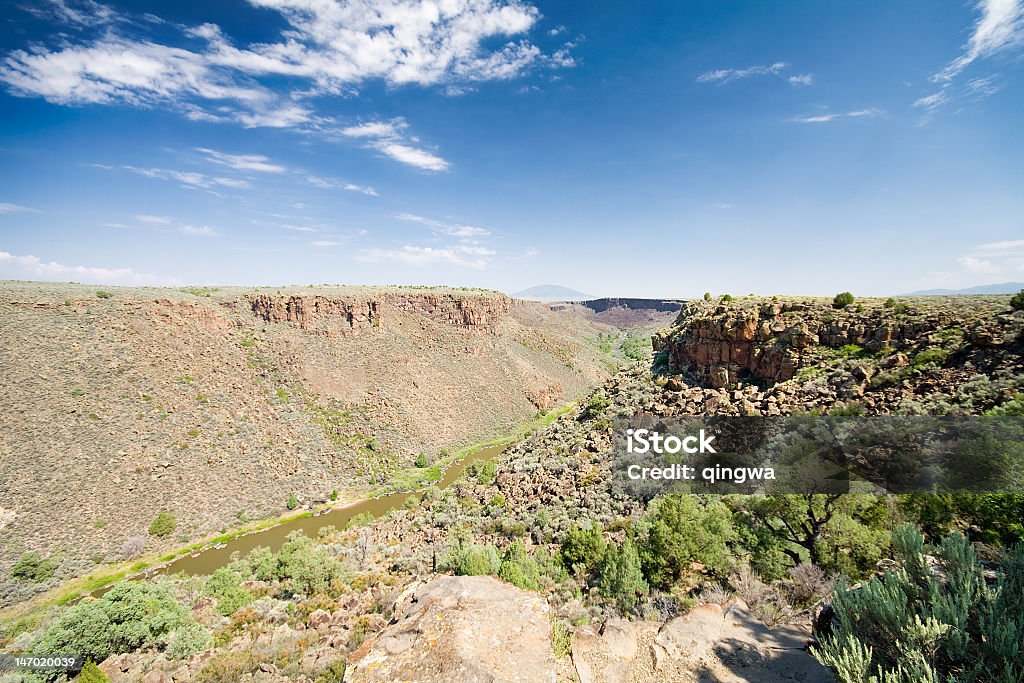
(344, 316)
(720, 343)
(461, 628)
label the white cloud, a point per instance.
(723, 76)
(200, 230)
(933, 101)
(298, 228)
(326, 243)
(119, 226)
(828, 118)
(75, 12)
(29, 267)
(450, 229)
(242, 162)
(976, 265)
(413, 156)
(188, 178)
(420, 256)
(145, 218)
(999, 27)
(16, 208)
(325, 47)
(1006, 245)
(390, 139)
(334, 183)
(996, 260)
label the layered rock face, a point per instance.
(317, 313)
(345, 317)
(722, 343)
(472, 629)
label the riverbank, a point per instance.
(27, 614)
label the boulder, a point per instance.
(722, 643)
(460, 628)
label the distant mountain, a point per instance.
(1001, 288)
(552, 293)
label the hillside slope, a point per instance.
(215, 405)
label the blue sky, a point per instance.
(643, 149)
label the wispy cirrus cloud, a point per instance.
(242, 162)
(777, 69)
(159, 220)
(28, 267)
(198, 230)
(335, 184)
(16, 208)
(391, 139)
(830, 117)
(999, 29)
(465, 256)
(450, 229)
(188, 178)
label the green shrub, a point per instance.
(483, 471)
(679, 530)
(262, 563)
(1017, 301)
(932, 356)
(91, 673)
(306, 567)
(164, 524)
(561, 639)
(225, 585)
(707, 296)
(597, 404)
(518, 568)
(361, 519)
(31, 566)
(292, 502)
(421, 460)
(916, 624)
(129, 616)
(188, 639)
(727, 297)
(620, 576)
(102, 294)
(890, 302)
(468, 559)
(842, 300)
(582, 549)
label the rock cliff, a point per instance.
(345, 316)
(768, 341)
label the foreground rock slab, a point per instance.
(720, 643)
(460, 628)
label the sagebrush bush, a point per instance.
(918, 623)
(1017, 301)
(133, 547)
